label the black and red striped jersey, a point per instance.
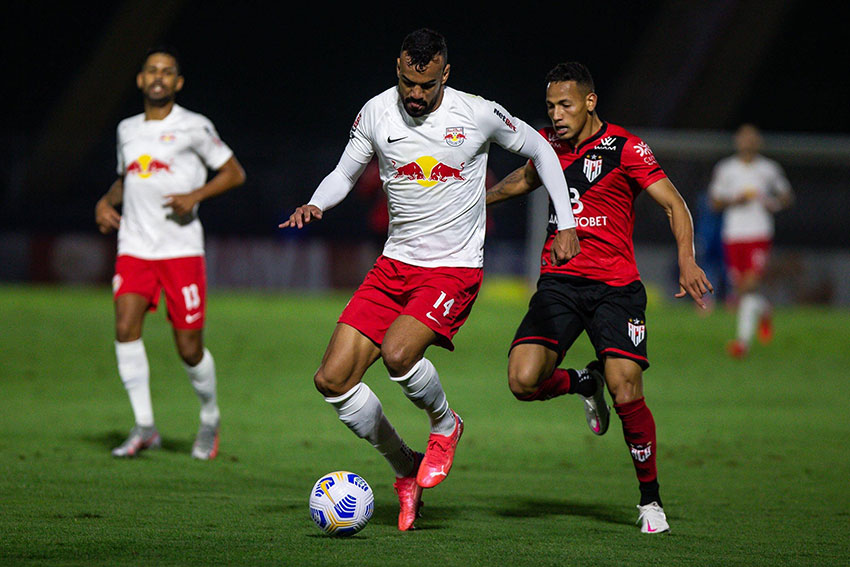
(605, 174)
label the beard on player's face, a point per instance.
(161, 97)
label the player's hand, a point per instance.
(106, 217)
(565, 246)
(305, 214)
(694, 282)
(182, 204)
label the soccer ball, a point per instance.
(341, 503)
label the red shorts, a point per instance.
(440, 298)
(746, 257)
(183, 280)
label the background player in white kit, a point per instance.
(431, 142)
(749, 188)
(163, 157)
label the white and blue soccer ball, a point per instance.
(341, 503)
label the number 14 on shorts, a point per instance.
(443, 303)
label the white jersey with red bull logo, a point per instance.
(158, 158)
(433, 169)
(733, 178)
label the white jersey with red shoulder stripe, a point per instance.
(433, 169)
(733, 178)
(158, 158)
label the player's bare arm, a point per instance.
(230, 175)
(519, 182)
(776, 202)
(105, 213)
(692, 279)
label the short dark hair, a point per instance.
(423, 45)
(571, 71)
(167, 50)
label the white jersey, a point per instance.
(733, 178)
(433, 169)
(158, 158)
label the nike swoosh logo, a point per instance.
(649, 527)
(394, 140)
(432, 318)
(193, 318)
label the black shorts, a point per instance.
(564, 306)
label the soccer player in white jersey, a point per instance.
(164, 155)
(749, 188)
(431, 143)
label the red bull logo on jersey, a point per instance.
(144, 166)
(455, 136)
(428, 171)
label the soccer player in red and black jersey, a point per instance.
(599, 291)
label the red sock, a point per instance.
(555, 385)
(639, 433)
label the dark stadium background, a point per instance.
(283, 84)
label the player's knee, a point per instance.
(522, 382)
(190, 347)
(191, 354)
(624, 389)
(126, 331)
(398, 359)
(328, 384)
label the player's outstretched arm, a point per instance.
(331, 191)
(692, 279)
(105, 214)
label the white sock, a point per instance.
(135, 374)
(202, 376)
(361, 411)
(422, 386)
(750, 309)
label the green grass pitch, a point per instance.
(754, 455)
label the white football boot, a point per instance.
(596, 411)
(140, 439)
(205, 447)
(652, 519)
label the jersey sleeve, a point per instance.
(209, 146)
(640, 163)
(120, 166)
(719, 187)
(360, 147)
(500, 126)
(779, 184)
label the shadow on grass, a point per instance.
(536, 508)
(111, 439)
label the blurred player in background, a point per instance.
(749, 189)
(431, 143)
(599, 291)
(163, 157)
